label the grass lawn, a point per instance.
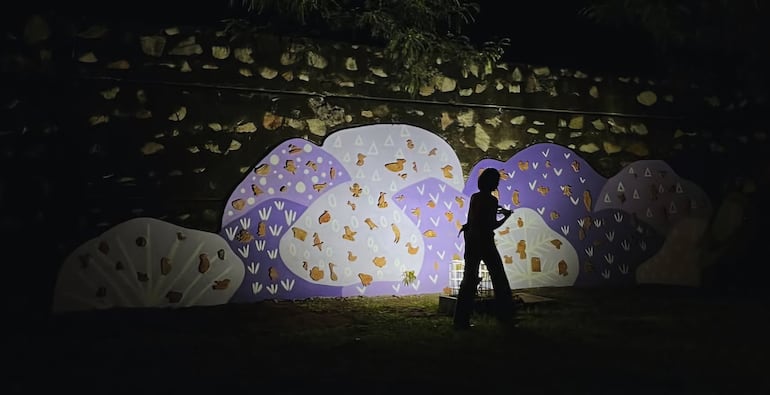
(643, 340)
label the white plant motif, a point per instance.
(245, 222)
(589, 251)
(610, 236)
(256, 288)
(623, 269)
(253, 267)
(606, 274)
(618, 217)
(433, 197)
(276, 229)
(290, 216)
(287, 284)
(626, 245)
(264, 213)
(272, 288)
(231, 232)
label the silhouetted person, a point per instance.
(479, 234)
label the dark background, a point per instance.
(543, 31)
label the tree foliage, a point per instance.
(715, 37)
(415, 35)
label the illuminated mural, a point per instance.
(373, 206)
(611, 226)
(376, 210)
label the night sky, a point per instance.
(552, 32)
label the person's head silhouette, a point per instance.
(489, 179)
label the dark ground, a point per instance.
(647, 340)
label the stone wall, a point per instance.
(106, 123)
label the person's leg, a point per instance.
(500, 284)
(467, 292)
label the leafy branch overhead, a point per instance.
(415, 35)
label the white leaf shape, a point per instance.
(146, 262)
(552, 266)
(375, 249)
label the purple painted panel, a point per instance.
(654, 193)
(296, 170)
(613, 245)
(563, 189)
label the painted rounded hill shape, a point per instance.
(654, 193)
(296, 171)
(564, 190)
(353, 232)
(146, 262)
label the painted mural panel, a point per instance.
(376, 210)
(651, 190)
(678, 209)
(145, 262)
(370, 212)
(677, 262)
(612, 233)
